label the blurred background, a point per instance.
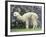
(22, 9)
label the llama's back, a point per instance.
(28, 15)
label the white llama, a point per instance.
(25, 18)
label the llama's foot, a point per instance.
(26, 27)
(27, 24)
(34, 27)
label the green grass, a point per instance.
(25, 30)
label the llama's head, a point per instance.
(16, 14)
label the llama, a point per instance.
(25, 18)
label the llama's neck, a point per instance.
(20, 17)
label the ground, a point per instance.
(24, 30)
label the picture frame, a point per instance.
(8, 16)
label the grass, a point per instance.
(25, 30)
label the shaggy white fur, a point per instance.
(33, 17)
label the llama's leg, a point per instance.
(33, 27)
(27, 24)
(34, 24)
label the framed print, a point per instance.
(24, 18)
